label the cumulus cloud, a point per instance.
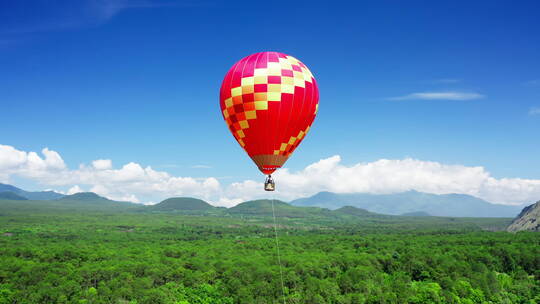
(392, 176)
(450, 95)
(29, 164)
(133, 182)
(74, 189)
(128, 182)
(102, 164)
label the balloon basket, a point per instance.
(269, 184)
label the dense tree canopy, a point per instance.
(121, 257)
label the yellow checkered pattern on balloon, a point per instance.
(286, 148)
(292, 73)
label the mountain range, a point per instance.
(182, 204)
(412, 203)
(8, 195)
(31, 195)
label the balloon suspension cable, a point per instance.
(277, 250)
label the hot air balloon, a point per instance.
(269, 101)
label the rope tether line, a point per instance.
(277, 250)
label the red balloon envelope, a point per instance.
(269, 101)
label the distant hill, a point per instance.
(326, 199)
(453, 205)
(36, 195)
(350, 210)
(259, 207)
(282, 209)
(84, 201)
(416, 213)
(8, 195)
(182, 204)
(94, 200)
(528, 219)
(84, 197)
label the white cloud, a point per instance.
(29, 164)
(534, 111)
(391, 176)
(129, 182)
(74, 189)
(111, 194)
(230, 202)
(133, 182)
(102, 164)
(450, 95)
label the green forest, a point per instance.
(52, 254)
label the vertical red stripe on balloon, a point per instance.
(307, 110)
(315, 101)
(225, 92)
(298, 123)
(285, 115)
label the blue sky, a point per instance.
(457, 83)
